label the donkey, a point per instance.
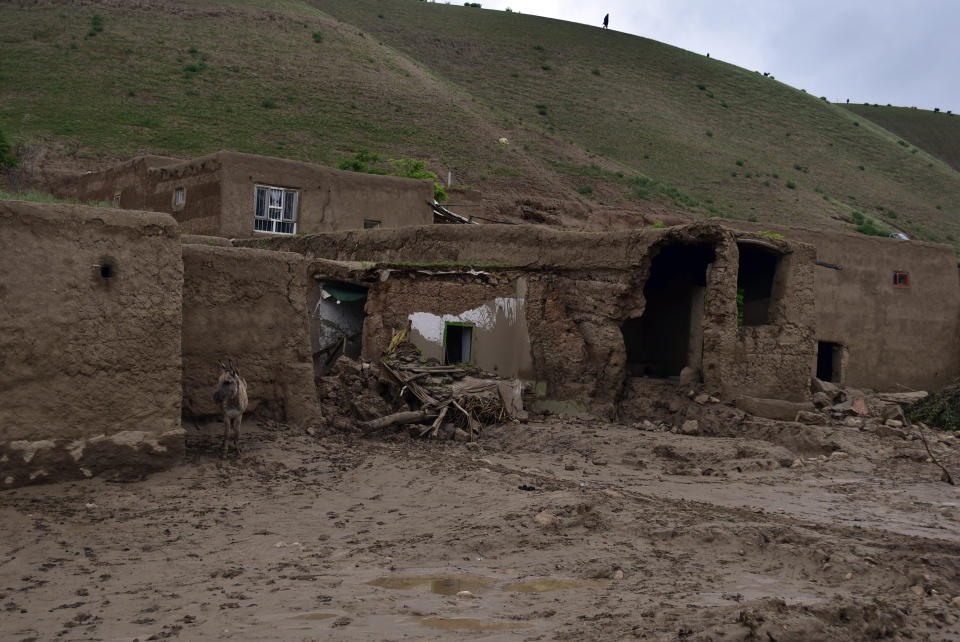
(231, 394)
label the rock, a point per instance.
(713, 400)
(860, 406)
(690, 427)
(810, 418)
(918, 590)
(955, 602)
(460, 435)
(472, 445)
(838, 454)
(797, 463)
(612, 493)
(544, 518)
(689, 375)
(830, 389)
(702, 398)
(465, 595)
(773, 408)
(618, 574)
(851, 422)
(893, 423)
(843, 406)
(822, 400)
(648, 425)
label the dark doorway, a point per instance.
(337, 312)
(458, 343)
(757, 269)
(668, 336)
(829, 358)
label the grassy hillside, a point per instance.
(937, 133)
(595, 119)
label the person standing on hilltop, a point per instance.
(606, 21)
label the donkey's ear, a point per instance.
(222, 367)
(233, 370)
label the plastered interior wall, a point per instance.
(895, 337)
(90, 306)
(330, 323)
(248, 306)
(330, 199)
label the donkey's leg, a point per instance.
(236, 434)
(226, 432)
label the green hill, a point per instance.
(603, 127)
(937, 133)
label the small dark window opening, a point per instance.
(106, 271)
(370, 224)
(179, 196)
(755, 276)
(901, 280)
(457, 343)
(658, 344)
(829, 361)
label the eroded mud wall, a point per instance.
(90, 305)
(249, 306)
(894, 337)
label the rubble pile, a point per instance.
(408, 395)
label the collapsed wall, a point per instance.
(248, 306)
(90, 305)
(582, 315)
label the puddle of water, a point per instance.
(314, 616)
(439, 584)
(468, 624)
(544, 584)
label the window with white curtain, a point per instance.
(275, 210)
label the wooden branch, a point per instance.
(946, 473)
(397, 418)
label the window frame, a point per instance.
(901, 279)
(278, 215)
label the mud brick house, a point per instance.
(581, 314)
(242, 195)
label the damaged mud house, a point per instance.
(113, 319)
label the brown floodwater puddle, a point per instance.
(439, 584)
(544, 584)
(314, 616)
(468, 624)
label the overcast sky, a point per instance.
(902, 52)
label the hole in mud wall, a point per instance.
(105, 270)
(829, 361)
(337, 311)
(669, 335)
(755, 275)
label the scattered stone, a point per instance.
(822, 400)
(852, 422)
(838, 454)
(918, 590)
(612, 493)
(955, 602)
(893, 423)
(816, 385)
(460, 435)
(690, 427)
(544, 518)
(848, 576)
(810, 418)
(689, 375)
(618, 574)
(772, 408)
(472, 445)
(702, 398)
(466, 595)
(797, 463)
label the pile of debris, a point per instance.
(408, 395)
(443, 401)
(940, 409)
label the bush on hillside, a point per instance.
(940, 410)
(7, 158)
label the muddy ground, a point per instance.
(559, 529)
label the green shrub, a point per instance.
(317, 36)
(659, 225)
(267, 103)
(7, 159)
(596, 72)
(861, 168)
(541, 109)
(701, 86)
(791, 185)
(545, 67)
(940, 410)
(739, 163)
(709, 133)
(538, 47)
(586, 190)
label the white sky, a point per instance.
(902, 52)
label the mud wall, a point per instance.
(330, 199)
(90, 306)
(494, 306)
(249, 306)
(772, 360)
(129, 180)
(895, 337)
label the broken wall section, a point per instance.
(249, 306)
(90, 306)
